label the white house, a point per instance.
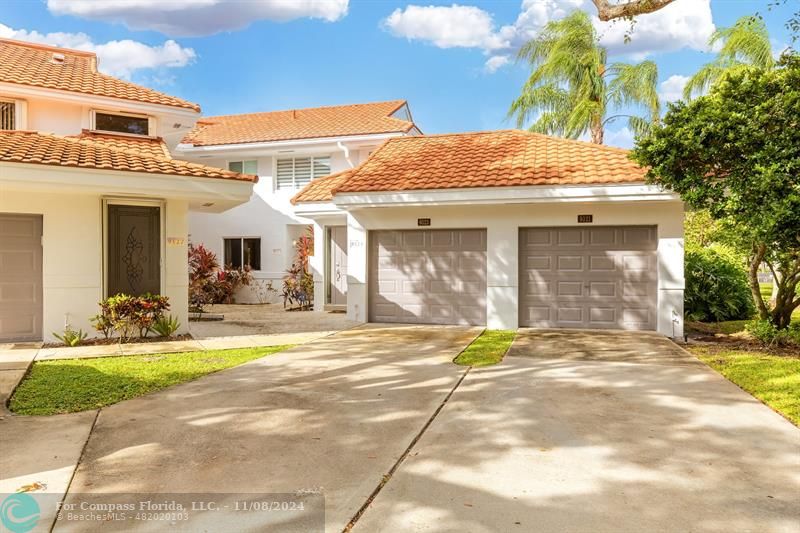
(286, 149)
(91, 201)
(505, 229)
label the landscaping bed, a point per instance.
(71, 385)
(102, 341)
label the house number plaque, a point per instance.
(423, 222)
(584, 219)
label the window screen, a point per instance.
(7, 116)
(241, 252)
(121, 124)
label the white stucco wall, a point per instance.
(269, 215)
(72, 258)
(502, 223)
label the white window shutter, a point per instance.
(285, 174)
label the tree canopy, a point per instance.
(571, 88)
(745, 43)
(736, 152)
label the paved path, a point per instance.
(331, 416)
(596, 432)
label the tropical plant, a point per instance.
(203, 266)
(129, 315)
(70, 337)
(165, 326)
(298, 284)
(746, 43)
(736, 152)
(765, 332)
(572, 90)
(230, 280)
(716, 285)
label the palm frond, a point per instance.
(635, 85)
(639, 126)
(703, 79)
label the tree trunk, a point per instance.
(756, 257)
(597, 132)
(776, 280)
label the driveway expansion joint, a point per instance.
(388, 475)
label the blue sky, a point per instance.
(449, 61)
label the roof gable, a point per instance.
(50, 67)
(507, 158)
(297, 124)
(29, 147)
(489, 159)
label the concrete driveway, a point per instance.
(332, 416)
(588, 431)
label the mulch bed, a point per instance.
(106, 342)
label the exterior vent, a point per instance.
(58, 59)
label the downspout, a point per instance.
(346, 152)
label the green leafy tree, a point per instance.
(736, 152)
(746, 43)
(572, 88)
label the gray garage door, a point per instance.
(599, 277)
(428, 276)
(20, 277)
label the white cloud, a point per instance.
(496, 62)
(118, 58)
(671, 89)
(446, 27)
(622, 138)
(682, 24)
(199, 17)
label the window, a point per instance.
(296, 172)
(131, 124)
(240, 252)
(245, 167)
(7, 115)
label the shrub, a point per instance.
(768, 334)
(717, 288)
(298, 284)
(129, 315)
(203, 266)
(165, 326)
(70, 337)
(208, 283)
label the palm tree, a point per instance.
(571, 88)
(744, 43)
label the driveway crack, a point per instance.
(388, 475)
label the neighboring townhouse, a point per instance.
(287, 150)
(504, 229)
(91, 201)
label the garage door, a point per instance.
(600, 277)
(428, 276)
(20, 277)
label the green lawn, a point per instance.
(70, 385)
(488, 349)
(773, 379)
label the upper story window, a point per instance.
(244, 167)
(121, 123)
(7, 120)
(297, 172)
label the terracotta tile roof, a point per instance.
(317, 122)
(321, 189)
(34, 64)
(504, 158)
(150, 146)
(44, 149)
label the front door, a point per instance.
(134, 249)
(338, 265)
